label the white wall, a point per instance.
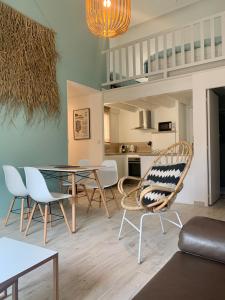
(78, 97)
(182, 122)
(114, 125)
(177, 18)
(189, 124)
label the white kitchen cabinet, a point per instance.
(121, 163)
(146, 162)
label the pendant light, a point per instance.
(108, 18)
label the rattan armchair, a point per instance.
(157, 190)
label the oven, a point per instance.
(134, 166)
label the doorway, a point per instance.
(216, 143)
(92, 148)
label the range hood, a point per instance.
(144, 120)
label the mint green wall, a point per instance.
(80, 61)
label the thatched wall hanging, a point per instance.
(27, 67)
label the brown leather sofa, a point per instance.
(197, 272)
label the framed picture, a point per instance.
(81, 124)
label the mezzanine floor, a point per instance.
(93, 264)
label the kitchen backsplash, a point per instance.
(141, 147)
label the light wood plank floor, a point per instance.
(93, 264)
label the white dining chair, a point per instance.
(108, 177)
(16, 187)
(39, 192)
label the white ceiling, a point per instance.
(144, 10)
(152, 102)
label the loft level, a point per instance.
(199, 45)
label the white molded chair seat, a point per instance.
(52, 197)
(107, 175)
(58, 196)
(17, 188)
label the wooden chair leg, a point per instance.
(45, 223)
(21, 214)
(114, 197)
(86, 193)
(103, 198)
(28, 207)
(30, 218)
(50, 214)
(100, 201)
(41, 211)
(50, 219)
(91, 199)
(64, 215)
(9, 211)
(112, 192)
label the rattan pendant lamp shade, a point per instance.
(108, 18)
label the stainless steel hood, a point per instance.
(144, 120)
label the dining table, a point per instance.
(88, 172)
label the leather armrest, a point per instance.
(204, 237)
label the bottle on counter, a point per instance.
(123, 149)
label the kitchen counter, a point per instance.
(134, 153)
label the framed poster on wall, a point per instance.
(81, 124)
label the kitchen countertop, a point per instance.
(134, 153)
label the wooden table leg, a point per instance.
(55, 278)
(73, 203)
(101, 193)
(15, 290)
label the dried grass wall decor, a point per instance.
(27, 67)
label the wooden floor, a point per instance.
(93, 263)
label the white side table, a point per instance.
(18, 258)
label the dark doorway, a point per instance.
(222, 142)
(221, 93)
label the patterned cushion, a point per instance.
(166, 175)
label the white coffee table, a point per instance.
(18, 258)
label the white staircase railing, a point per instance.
(159, 54)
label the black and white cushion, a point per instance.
(167, 176)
